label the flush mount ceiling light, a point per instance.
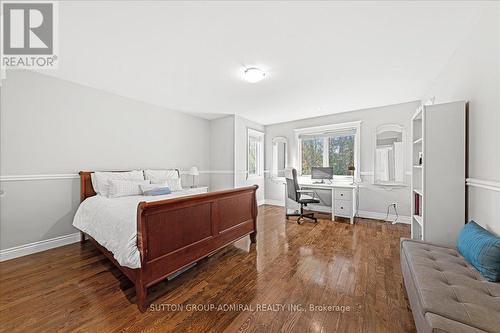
(254, 74)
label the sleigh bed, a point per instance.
(173, 234)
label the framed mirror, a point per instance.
(389, 168)
(280, 147)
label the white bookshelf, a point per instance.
(438, 183)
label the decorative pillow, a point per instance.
(100, 180)
(161, 174)
(154, 189)
(481, 249)
(122, 188)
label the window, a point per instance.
(341, 154)
(335, 146)
(255, 153)
(312, 154)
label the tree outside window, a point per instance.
(341, 154)
(312, 154)
(255, 153)
(336, 151)
(252, 155)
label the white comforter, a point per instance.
(112, 222)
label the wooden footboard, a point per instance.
(173, 234)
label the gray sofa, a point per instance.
(446, 293)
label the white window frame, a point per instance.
(356, 125)
(260, 153)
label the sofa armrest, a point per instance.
(404, 239)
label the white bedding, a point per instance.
(112, 222)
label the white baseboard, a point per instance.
(381, 216)
(320, 208)
(361, 213)
(261, 202)
(24, 250)
(274, 202)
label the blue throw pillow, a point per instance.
(158, 191)
(481, 249)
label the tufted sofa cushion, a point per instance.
(448, 288)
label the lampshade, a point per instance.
(194, 171)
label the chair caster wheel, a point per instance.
(299, 221)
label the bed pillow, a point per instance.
(160, 174)
(100, 180)
(173, 184)
(123, 188)
(155, 189)
(481, 249)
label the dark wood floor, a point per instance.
(74, 288)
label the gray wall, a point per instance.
(51, 126)
(372, 198)
(473, 74)
(228, 158)
(222, 153)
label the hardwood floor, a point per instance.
(74, 288)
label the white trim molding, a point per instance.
(486, 184)
(16, 178)
(211, 172)
(56, 176)
(259, 158)
(389, 128)
(362, 213)
(274, 202)
(43, 245)
(371, 173)
(326, 128)
(381, 216)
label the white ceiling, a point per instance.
(321, 57)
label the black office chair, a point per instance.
(295, 193)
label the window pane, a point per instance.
(341, 154)
(252, 155)
(312, 154)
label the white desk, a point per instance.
(343, 198)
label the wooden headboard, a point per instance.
(86, 188)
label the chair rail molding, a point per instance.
(55, 176)
(485, 184)
(371, 173)
(15, 178)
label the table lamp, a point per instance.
(194, 172)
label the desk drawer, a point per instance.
(343, 194)
(343, 208)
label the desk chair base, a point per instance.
(303, 216)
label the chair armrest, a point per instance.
(311, 193)
(306, 191)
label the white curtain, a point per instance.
(398, 162)
(383, 172)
